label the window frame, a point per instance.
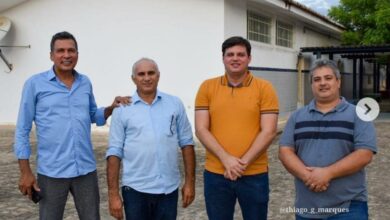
(284, 41)
(262, 37)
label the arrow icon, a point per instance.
(368, 109)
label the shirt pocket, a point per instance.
(170, 125)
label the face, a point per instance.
(325, 85)
(236, 60)
(64, 55)
(146, 78)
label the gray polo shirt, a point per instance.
(320, 140)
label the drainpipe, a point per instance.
(301, 80)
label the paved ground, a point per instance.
(14, 206)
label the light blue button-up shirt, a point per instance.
(63, 120)
(147, 138)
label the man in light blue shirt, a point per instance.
(145, 136)
(61, 103)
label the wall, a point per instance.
(287, 97)
(276, 63)
(184, 37)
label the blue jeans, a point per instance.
(146, 206)
(357, 211)
(252, 193)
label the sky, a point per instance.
(320, 6)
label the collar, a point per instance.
(51, 75)
(339, 107)
(135, 98)
(247, 81)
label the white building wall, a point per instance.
(235, 18)
(183, 36)
(306, 33)
(272, 55)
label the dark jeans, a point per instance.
(357, 211)
(54, 191)
(252, 193)
(146, 206)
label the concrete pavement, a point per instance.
(14, 206)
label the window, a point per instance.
(259, 28)
(284, 34)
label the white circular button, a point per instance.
(367, 109)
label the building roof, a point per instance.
(297, 12)
(326, 19)
(350, 52)
(348, 49)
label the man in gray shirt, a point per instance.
(326, 147)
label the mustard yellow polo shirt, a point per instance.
(235, 117)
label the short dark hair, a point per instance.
(62, 36)
(236, 40)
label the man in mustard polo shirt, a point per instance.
(235, 119)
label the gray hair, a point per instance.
(142, 60)
(324, 63)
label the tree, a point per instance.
(367, 22)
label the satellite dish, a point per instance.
(5, 25)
